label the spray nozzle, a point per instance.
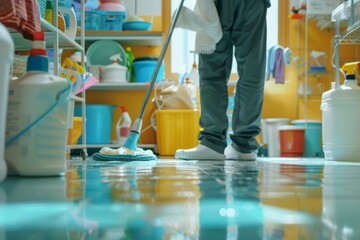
(350, 68)
(115, 57)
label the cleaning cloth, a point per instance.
(204, 20)
(123, 154)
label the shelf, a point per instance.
(119, 86)
(128, 38)
(50, 31)
(313, 74)
(129, 86)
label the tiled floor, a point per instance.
(170, 199)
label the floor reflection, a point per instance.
(170, 199)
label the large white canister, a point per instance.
(340, 122)
(37, 122)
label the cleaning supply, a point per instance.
(114, 72)
(49, 12)
(130, 151)
(6, 59)
(123, 126)
(317, 61)
(194, 78)
(69, 15)
(130, 64)
(37, 119)
(340, 118)
(192, 91)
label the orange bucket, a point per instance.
(292, 140)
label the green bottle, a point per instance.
(129, 64)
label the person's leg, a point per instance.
(214, 71)
(249, 39)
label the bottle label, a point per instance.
(124, 131)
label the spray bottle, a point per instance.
(6, 58)
(123, 127)
(37, 118)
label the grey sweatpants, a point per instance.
(244, 30)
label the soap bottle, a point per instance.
(37, 119)
(123, 127)
(6, 59)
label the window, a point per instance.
(182, 59)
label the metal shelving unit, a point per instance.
(56, 39)
(346, 11)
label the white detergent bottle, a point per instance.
(37, 126)
(123, 127)
(6, 58)
(340, 118)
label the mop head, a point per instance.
(124, 154)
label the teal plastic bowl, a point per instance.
(145, 69)
(137, 25)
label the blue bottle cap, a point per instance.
(38, 63)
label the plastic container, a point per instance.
(38, 111)
(111, 20)
(176, 129)
(144, 69)
(313, 144)
(340, 122)
(292, 140)
(6, 58)
(123, 127)
(70, 19)
(99, 118)
(273, 136)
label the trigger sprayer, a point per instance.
(115, 57)
(350, 69)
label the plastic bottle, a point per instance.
(123, 126)
(37, 120)
(49, 12)
(6, 58)
(194, 78)
(192, 90)
(129, 64)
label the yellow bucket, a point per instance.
(176, 129)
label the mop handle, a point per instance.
(159, 62)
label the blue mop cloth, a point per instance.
(124, 154)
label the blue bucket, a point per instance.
(145, 69)
(313, 135)
(98, 123)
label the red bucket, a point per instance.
(292, 139)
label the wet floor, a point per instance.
(179, 200)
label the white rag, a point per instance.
(204, 20)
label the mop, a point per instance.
(130, 152)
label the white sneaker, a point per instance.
(200, 152)
(233, 154)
